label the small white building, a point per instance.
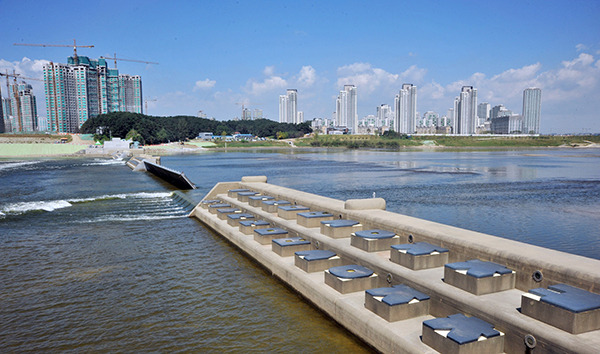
(117, 144)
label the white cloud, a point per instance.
(271, 83)
(269, 70)
(581, 47)
(204, 84)
(307, 76)
(366, 78)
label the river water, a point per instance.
(94, 257)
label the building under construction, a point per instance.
(84, 88)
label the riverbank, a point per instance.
(15, 146)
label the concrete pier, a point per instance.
(533, 267)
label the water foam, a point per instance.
(101, 162)
(51, 205)
(142, 217)
(35, 206)
(17, 164)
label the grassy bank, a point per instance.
(36, 150)
(370, 141)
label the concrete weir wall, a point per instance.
(534, 267)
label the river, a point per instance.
(94, 257)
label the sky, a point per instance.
(215, 56)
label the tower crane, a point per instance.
(146, 104)
(14, 75)
(75, 46)
(132, 60)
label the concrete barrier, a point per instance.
(534, 267)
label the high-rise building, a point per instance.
(84, 88)
(292, 105)
(3, 128)
(258, 113)
(532, 103)
(246, 114)
(499, 111)
(406, 109)
(300, 117)
(466, 114)
(288, 107)
(282, 109)
(130, 93)
(483, 112)
(384, 116)
(25, 105)
(346, 108)
(430, 119)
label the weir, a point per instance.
(407, 285)
(152, 164)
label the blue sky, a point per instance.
(216, 54)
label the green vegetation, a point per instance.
(395, 141)
(533, 141)
(40, 135)
(358, 141)
(155, 130)
(250, 144)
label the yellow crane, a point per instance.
(132, 60)
(17, 99)
(75, 46)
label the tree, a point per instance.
(281, 135)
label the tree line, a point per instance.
(156, 130)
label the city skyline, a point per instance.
(224, 56)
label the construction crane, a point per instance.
(133, 60)
(17, 99)
(146, 104)
(75, 46)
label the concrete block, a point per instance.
(316, 260)
(250, 179)
(247, 227)
(340, 228)
(232, 193)
(289, 212)
(212, 208)
(459, 334)
(419, 255)
(313, 218)
(365, 204)
(234, 219)
(286, 247)
(243, 196)
(264, 236)
(397, 303)
(479, 277)
(256, 201)
(271, 206)
(223, 212)
(350, 278)
(207, 202)
(563, 306)
(374, 240)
